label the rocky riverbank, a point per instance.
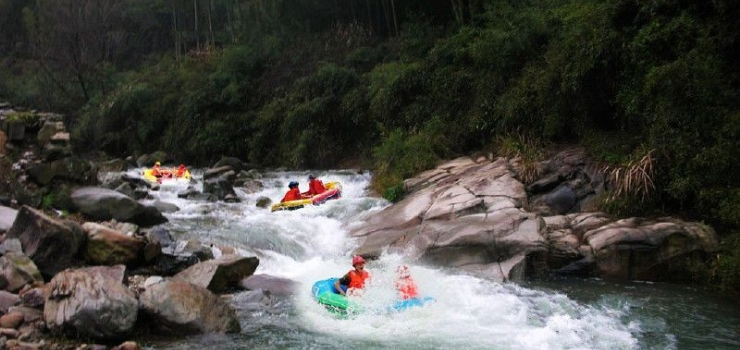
(84, 260)
(476, 214)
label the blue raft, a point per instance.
(325, 294)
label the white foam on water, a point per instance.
(312, 244)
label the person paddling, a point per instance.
(180, 172)
(315, 186)
(355, 279)
(293, 193)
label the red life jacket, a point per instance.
(357, 279)
(407, 287)
(292, 194)
(315, 186)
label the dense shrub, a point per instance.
(398, 157)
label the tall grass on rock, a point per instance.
(528, 149)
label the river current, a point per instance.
(311, 244)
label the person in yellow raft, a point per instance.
(157, 171)
(181, 170)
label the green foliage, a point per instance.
(28, 118)
(391, 87)
(398, 157)
(528, 148)
(47, 202)
(727, 264)
(395, 193)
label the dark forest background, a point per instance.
(649, 87)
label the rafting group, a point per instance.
(158, 174)
(317, 193)
(333, 293)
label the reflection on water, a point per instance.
(310, 244)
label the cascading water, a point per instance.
(311, 244)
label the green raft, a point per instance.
(325, 294)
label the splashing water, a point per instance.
(311, 244)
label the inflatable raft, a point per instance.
(168, 175)
(326, 294)
(333, 191)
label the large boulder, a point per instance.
(72, 169)
(464, 213)
(220, 274)
(569, 182)
(220, 186)
(175, 307)
(114, 165)
(52, 245)
(596, 244)
(650, 249)
(106, 246)
(235, 163)
(105, 204)
(91, 302)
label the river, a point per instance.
(310, 244)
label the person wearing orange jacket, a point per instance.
(156, 170)
(405, 285)
(354, 279)
(293, 193)
(180, 172)
(315, 186)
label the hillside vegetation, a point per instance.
(650, 87)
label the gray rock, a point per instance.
(11, 245)
(220, 274)
(179, 308)
(51, 245)
(17, 270)
(91, 302)
(234, 163)
(106, 246)
(166, 207)
(273, 285)
(7, 300)
(104, 204)
(263, 202)
(7, 217)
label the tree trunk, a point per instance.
(195, 24)
(175, 35)
(369, 17)
(210, 24)
(457, 9)
(395, 21)
(231, 24)
(387, 17)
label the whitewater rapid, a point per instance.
(311, 244)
